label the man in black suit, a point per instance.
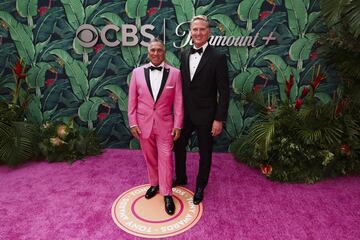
(206, 100)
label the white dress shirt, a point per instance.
(195, 60)
(155, 80)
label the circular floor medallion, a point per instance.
(147, 217)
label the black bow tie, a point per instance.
(193, 50)
(155, 68)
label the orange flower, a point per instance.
(62, 131)
(56, 141)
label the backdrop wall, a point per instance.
(90, 85)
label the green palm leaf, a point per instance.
(297, 16)
(136, 8)
(332, 10)
(352, 16)
(18, 142)
(22, 37)
(75, 12)
(27, 8)
(77, 73)
(184, 10)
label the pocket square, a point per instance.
(170, 86)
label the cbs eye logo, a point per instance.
(88, 35)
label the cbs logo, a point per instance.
(88, 35)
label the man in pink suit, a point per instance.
(155, 111)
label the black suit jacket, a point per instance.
(206, 96)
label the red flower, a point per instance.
(313, 55)
(42, 11)
(304, 92)
(98, 47)
(298, 103)
(151, 11)
(317, 81)
(345, 149)
(102, 116)
(340, 106)
(266, 169)
(49, 82)
(19, 69)
(256, 88)
(289, 85)
(264, 15)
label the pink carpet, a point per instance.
(62, 201)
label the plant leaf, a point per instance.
(75, 13)
(297, 16)
(36, 75)
(20, 35)
(27, 8)
(249, 9)
(76, 72)
(184, 10)
(136, 8)
(88, 111)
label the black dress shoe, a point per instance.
(178, 182)
(151, 192)
(198, 196)
(169, 205)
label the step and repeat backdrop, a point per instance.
(79, 55)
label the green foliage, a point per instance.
(341, 43)
(21, 36)
(62, 142)
(18, 142)
(23, 140)
(302, 141)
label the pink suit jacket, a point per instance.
(166, 111)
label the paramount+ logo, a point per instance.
(88, 35)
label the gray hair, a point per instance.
(200, 17)
(154, 40)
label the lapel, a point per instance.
(163, 80)
(203, 61)
(186, 65)
(147, 78)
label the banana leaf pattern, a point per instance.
(90, 85)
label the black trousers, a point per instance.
(205, 139)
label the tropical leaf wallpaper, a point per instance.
(90, 85)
